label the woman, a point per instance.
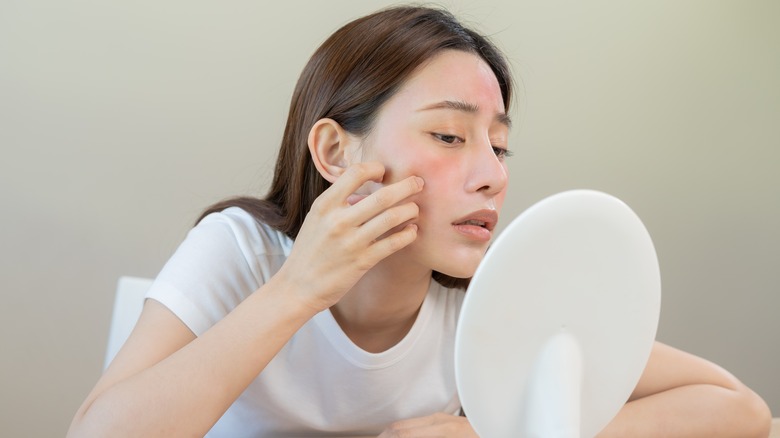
(329, 307)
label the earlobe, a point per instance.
(328, 145)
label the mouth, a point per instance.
(478, 225)
(482, 218)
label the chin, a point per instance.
(457, 261)
(459, 268)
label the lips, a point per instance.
(481, 218)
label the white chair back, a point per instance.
(128, 303)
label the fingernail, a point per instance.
(420, 181)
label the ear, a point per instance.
(331, 148)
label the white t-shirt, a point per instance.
(320, 383)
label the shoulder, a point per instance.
(223, 259)
(252, 236)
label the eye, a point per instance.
(446, 138)
(502, 153)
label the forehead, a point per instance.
(455, 76)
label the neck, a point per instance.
(382, 307)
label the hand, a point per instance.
(436, 425)
(341, 238)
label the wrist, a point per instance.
(296, 296)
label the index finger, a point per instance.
(355, 176)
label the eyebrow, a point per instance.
(466, 107)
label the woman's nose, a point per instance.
(488, 173)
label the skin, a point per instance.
(459, 152)
(386, 222)
(678, 395)
(460, 156)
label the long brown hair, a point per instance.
(347, 79)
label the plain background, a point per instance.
(121, 121)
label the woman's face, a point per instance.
(447, 124)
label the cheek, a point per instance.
(439, 174)
(406, 159)
(439, 197)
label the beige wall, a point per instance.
(120, 121)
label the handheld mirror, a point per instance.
(559, 319)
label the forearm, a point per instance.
(185, 393)
(700, 410)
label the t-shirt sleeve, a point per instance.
(222, 260)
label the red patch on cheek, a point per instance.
(442, 172)
(440, 183)
(437, 172)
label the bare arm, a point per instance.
(681, 395)
(148, 390)
(167, 382)
(678, 395)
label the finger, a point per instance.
(432, 425)
(386, 197)
(390, 244)
(439, 424)
(355, 198)
(387, 220)
(412, 423)
(355, 176)
(449, 430)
